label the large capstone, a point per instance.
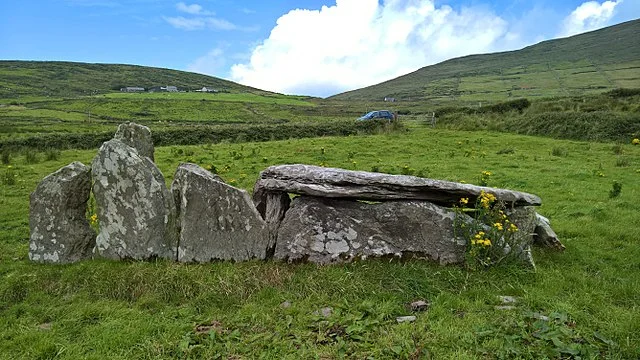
(135, 209)
(340, 183)
(324, 230)
(216, 220)
(60, 232)
(136, 136)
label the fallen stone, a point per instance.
(285, 304)
(419, 305)
(340, 183)
(505, 307)
(402, 319)
(136, 136)
(507, 299)
(216, 221)
(135, 209)
(60, 232)
(336, 230)
(544, 234)
(324, 312)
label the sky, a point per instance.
(311, 47)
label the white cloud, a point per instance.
(591, 15)
(361, 42)
(193, 9)
(212, 63)
(199, 23)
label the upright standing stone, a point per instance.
(136, 136)
(324, 230)
(544, 234)
(272, 205)
(216, 221)
(60, 232)
(135, 209)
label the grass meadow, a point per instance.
(581, 303)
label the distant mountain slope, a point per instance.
(585, 63)
(55, 78)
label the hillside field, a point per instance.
(140, 310)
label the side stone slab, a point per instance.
(135, 209)
(60, 232)
(340, 183)
(324, 231)
(136, 136)
(216, 221)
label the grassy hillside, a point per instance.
(581, 303)
(64, 79)
(591, 62)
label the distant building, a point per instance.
(170, 88)
(389, 99)
(132, 89)
(207, 90)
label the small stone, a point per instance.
(324, 312)
(539, 316)
(286, 304)
(419, 305)
(402, 319)
(505, 307)
(507, 299)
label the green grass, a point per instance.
(102, 309)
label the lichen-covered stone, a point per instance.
(136, 136)
(60, 232)
(340, 183)
(324, 230)
(135, 209)
(216, 221)
(525, 219)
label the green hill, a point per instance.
(586, 63)
(64, 79)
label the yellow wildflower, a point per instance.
(513, 228)
(464, 201)
(498, 226)
(486, 173)
(635, 141)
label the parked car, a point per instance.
(378, 114)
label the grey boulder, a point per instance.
(135, 209)
(544, 234)
(136, 136)
(340, 183)
(216, 221)
(60, 232)
(325, 231)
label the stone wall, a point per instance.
(338, 215)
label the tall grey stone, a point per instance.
(60, 232)
(525, 219)
(216, 221)
(324, 230)
(135, 209)
(136, 136)
(340, 183)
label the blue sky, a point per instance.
(309, 47)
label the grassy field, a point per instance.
(142, 310)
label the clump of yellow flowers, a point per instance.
(635, 141)
(489, 233)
